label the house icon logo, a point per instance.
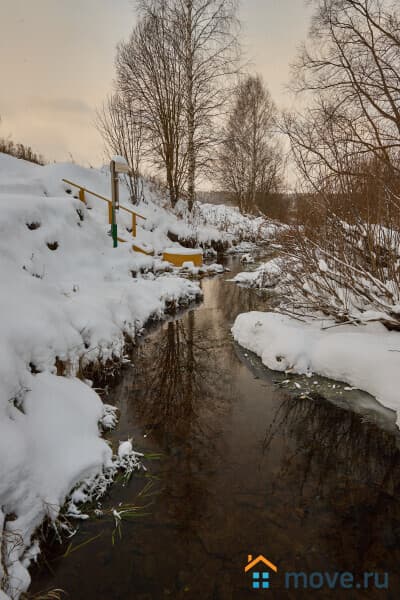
(259, 573)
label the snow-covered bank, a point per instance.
(267, 275)
(365, 357)
(47, 444)
(67, 299)
(237, 227)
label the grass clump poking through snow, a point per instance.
(56, 594)
(91, 490)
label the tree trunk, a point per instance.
(190, 107)
(170, 180)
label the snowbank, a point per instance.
(267, 275)
(238, 227)
(47, 444)
(67, 298)
(366, 357)
(208, 226)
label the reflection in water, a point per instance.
(244, 469)
(344, 469)
(182, 403)
(175, 385)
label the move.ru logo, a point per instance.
(260, 569)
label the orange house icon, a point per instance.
(260, 577)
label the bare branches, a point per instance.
(250, 161)
(209, 53)
(351, 69)
(175, 67)
(121, 126)
(344, 258)
(150, 75)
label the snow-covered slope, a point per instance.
(66, 298)
(208, 225)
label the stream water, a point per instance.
(237, 465)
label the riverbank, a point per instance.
(236, 464)
(70, 304)
(360, 353)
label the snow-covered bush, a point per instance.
(239, 227)
(347, 271)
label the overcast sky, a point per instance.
(57, 64)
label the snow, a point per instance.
(367, 358)
(238, 227)
(188, 268)
(125, 448)
(247, 258)
(67, 299)
(45, 450)
(246, 278)
(184, 251)
(117, 158)
(267, 275)
(322, 265)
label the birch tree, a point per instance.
(203, 39)
(210, 57)
(150, 74)
(250, 158)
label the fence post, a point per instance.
(82, 195)
(114, 205)
(133, 225)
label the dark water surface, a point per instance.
(245, 468)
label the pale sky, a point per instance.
(57, 64)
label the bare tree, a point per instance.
(210, 57)
(121, 126)
(150, 74)
(351, 68)
(203, 41)
(8, 146)
(344, 257)
(250, 159)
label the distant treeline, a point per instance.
(7, 146)
(277, 206)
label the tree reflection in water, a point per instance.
(343, 474)
(181, 402)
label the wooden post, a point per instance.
(110, 213)
(82, 195)
(115, 204)
(133, 225)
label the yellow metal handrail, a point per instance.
(83, 190)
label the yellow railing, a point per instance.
(82, 198)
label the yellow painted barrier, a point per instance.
(144, 249)
(82, 198)
(179, 256)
